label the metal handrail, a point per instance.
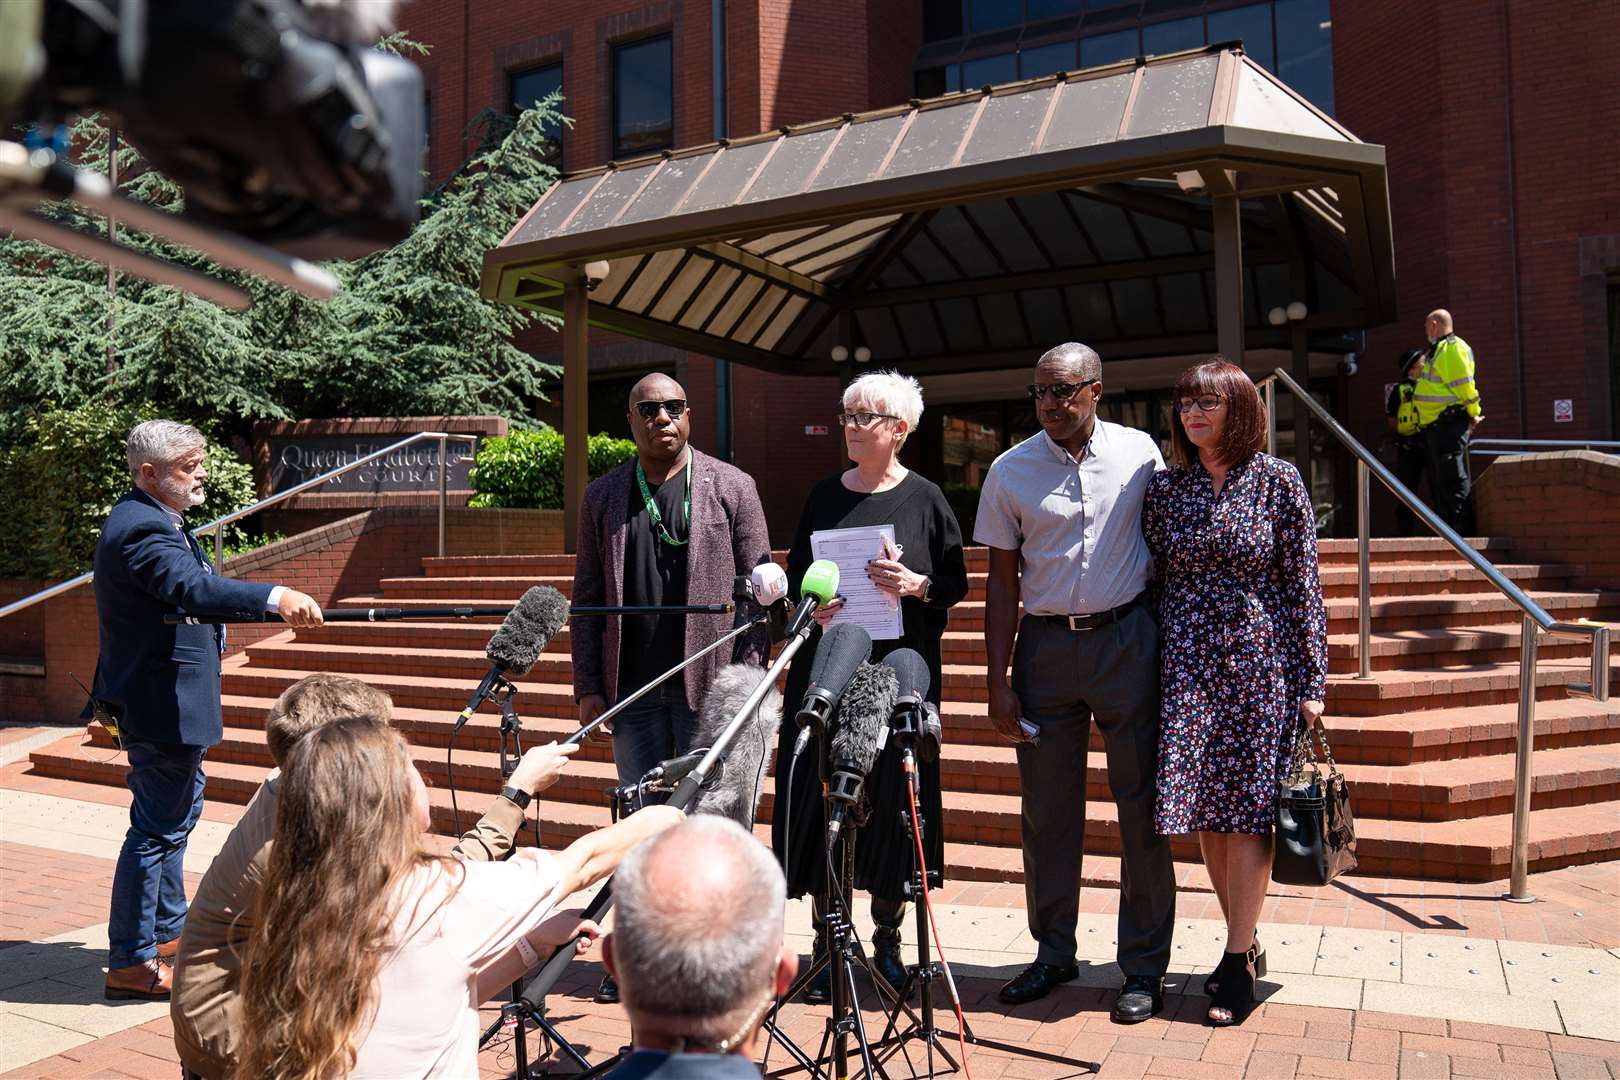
(1531, 446)
(1535, 620)
(217, 526)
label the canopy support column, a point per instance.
(575, 406)
(1229, 277)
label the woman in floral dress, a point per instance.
(1244, 652)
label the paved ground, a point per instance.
(1370, 978)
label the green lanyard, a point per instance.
(652, 507)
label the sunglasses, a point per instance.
(862, 419)
(1204, 403)
(649, 409)
(1062, 391)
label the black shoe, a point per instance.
(886, 956)
(1141, 997)
(1234, 994)
(1036, 981)
(1257, 957)
(608, 992)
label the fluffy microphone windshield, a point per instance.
(863, 714)
(735, 792)
(528, 627)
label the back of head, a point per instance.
(697, 929)
(316, 700)
(345, 838)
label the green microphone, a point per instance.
(819, 586)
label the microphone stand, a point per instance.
(530, 1003)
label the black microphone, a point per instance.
(663, 776)
(513, 649)
(863, 717)
(843, 648)
(734, 792)
(911, 719)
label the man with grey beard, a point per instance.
(158, 687)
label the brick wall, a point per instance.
(1556, 508)
(343, 559)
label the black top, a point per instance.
(926, 529)
(654, 573)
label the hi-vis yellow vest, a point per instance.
(1406, 413)
(1448, 380)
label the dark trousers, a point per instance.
(149, 883)
(1411, 462)
(1447, 442)
(1064, 678)
(655, 728)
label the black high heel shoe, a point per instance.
(1257, 957)
(1234, 994)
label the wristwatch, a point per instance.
(928, 586)
(519, 798)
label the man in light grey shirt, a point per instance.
(1062, 515)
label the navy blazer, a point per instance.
(651, 1065)
(161, 682)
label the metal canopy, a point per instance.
(975, 230)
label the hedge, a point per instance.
(525, 469)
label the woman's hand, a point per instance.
(892, 577)
(541, 766)
(824, 614)
(1311, 711)
(564, 927)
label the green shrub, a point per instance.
(525, 469)
(60, 480)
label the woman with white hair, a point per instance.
(880, 411)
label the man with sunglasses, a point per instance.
(1062, 515)
(674, 526)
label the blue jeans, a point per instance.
(149, 883)
(655, 728)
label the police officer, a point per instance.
(1411, 456)
(1448, 411)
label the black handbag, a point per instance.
(1316, 834)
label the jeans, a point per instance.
(149, 884)
(657, 727)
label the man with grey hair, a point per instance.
(158, 686)
(697, 949)
(1062, 515)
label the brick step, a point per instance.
(1452, 646)
(1433, 611)
(463, 634)
(1475, 849)
(1447, 687)
(1463, 733)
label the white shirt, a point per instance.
(1077, 525)
(445, 937)
(271, 602)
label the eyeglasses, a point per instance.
(1204, 403)
(649, 409)
(1062, 391)
(862, 419)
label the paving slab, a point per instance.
(1595, 1017)
(52, 822)
(1506, 1010)
(24, 1040)
(1348, 953)
(1465, 965)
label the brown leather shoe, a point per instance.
(149, 981)
(168, 949)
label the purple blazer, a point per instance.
(728, 538)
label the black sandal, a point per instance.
(1257, 957)
(1235, 991)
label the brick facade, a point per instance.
(1559, 508)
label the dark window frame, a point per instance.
(615, 50)
(512, 77)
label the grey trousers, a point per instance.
(1064, 678)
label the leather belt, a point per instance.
(1091, 622)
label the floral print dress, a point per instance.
(1243, 639)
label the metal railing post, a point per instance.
(444, 473)
(1363, 571)
(219, 548)
(1519, 881)
(1271, 419)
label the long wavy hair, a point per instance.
(345, 840)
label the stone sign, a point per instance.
(288, 454)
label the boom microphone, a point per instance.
(863, 717)
(819, 586)
(911, 718)
(513, 649)
(734, 793)
(843, 648)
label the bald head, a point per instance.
(697, 933)
(1438, 324)
(655, 387)
(661, 438)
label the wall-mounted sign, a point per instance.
(1563, 410)
(414, 468)
(815, 429)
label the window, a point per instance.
(1173, 36)
(1107, 48)
(990, 70)
(1250, 25)
(1045, 9)
(427, 134)
(527, 89)
(643, 97)
(994, 14)
(1305, 50)
(942, 19)
(1046, 60)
